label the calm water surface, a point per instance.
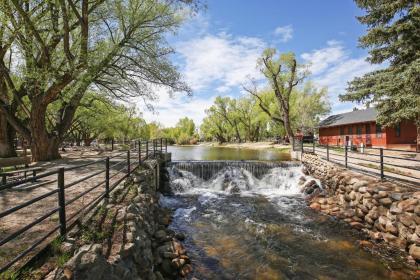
(222, 153)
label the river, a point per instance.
(240, 226)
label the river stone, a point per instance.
(357, 225)
(396, 196)
(316, 206)
(415, 252)
(406, 219)
(407, 203)
(417, 209)
(385, 201)
(395, 209)
(389, 227)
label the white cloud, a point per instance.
(220, 58)
(334, 67)
(169, 110)
(284, 32)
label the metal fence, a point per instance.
(392, 164)
(120, 164)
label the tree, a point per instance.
(283, 75)
(308, 105)
(66, 47)
(393, 37)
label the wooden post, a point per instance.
(166, 145)
(161, 145)
(345, 155)
(128, 162)
(107, 178)
(139, 152)
(147, 149)
(61, 202)
(328, 152)
(381, 151)
(112, 144)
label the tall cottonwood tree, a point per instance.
(66, 46)
(283, 74)
(393, 37)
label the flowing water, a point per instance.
(241, 226)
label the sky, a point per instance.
(216, 51)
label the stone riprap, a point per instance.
(385, 211)
(142, 245)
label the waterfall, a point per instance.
(207, 169)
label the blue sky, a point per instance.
(216, 50)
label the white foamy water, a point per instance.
(278, 181)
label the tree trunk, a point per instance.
(44, 147)
(287, 125)
(7, 135)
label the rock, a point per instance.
(316, 206)
(406, 219)
(357, 225)
(391, 228)
(385, 201)
(403, 205)
(415, 239)
(396, 196)
(376, 235)
(180, 236)
(186, 269)
(415, 252)
(389, 237)
(178, 263)
(395, 209)
(160, 235)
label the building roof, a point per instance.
(358, 116)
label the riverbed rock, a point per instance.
(415, 252)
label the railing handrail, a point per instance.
(386, 169)
(129, 165)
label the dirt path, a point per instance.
(17, 195)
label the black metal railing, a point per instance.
(393, 164)
(120, 164)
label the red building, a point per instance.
(360, 126)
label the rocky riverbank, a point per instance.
(127, 238)
(386, 212)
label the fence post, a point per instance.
(61, 202)
(154, 148)
(301, 144)
(328, 152)
(139, 151)
(345, 155)
(161, 145)
(128, 162)
(313, 146)
(107, 177)
(166, 145)
(112, 144)
(381, 150)
(147, 149)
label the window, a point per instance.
(397, 130)
(367, 129)
(378, 131)
(350, 130)
(342, 130)
(359, 130)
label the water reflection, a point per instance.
(222, 153)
